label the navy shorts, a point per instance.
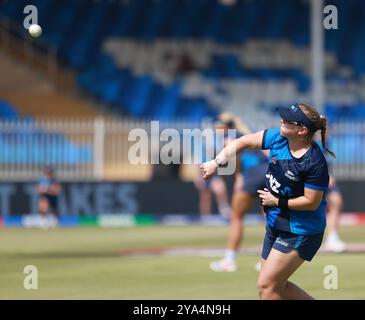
(254, 179)
(52, 200)
(283, 241)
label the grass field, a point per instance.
(86, 263)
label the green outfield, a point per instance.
(87, 263)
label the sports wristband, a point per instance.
(283, 203)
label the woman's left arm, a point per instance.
(310, 201)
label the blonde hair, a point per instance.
(319, 121)
(238, 123)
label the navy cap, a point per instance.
(294, 113)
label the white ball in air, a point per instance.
(35, 30)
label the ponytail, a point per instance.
(320, 123)
(323, 128)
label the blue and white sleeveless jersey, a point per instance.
(287, 176)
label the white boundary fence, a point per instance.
(79, 150)
(95, 150)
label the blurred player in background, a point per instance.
(334, 209)
(216, 185)
(48, 189)
(250, 176)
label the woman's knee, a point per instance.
(218, 187)
(264, 289)
(335, 200)
(339, 201)
(236, 215)
(268, 289)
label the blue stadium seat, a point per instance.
(7, 110)
(77, 29)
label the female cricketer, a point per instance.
(294, 197)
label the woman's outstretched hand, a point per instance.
(208, 169)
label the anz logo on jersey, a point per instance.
(275, 186)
